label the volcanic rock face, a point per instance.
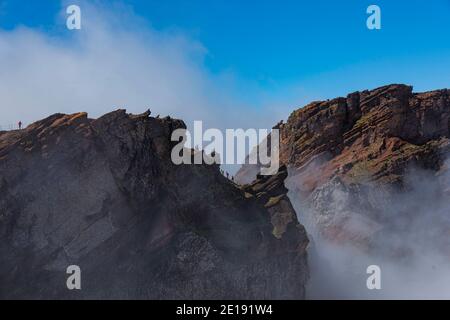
(371, 135)
(271, 192)
(349, 157)
(104, 195)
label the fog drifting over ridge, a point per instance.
(410, 246)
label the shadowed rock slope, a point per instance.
(104, 195)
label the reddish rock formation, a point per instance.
(341, 152)
(370, 135)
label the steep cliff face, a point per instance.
(104, 195)
(350, 159)
(370, 135)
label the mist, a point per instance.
(119, 60)
(403, 230)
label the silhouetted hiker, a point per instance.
(147, 113)
(232, 178)
(20, 125)
(228, 175)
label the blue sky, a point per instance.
(290, 40)
(284, 53)
(283, 42)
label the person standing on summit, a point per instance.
(20, 125)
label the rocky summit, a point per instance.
(369, 169)
(104, 195)
(370, 135)
(351, 158)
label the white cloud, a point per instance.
(118, 61)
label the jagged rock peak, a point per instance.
(104, 194)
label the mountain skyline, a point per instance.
(257, 61)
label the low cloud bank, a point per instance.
(404, 232)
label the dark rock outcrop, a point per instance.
(271, 192)
(104, 194)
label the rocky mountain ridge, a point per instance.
(351, 158)
(103, 194)
(371, 135)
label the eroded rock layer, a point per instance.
(354, 161)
